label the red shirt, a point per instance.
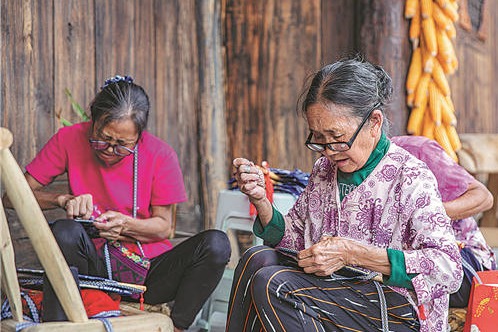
(160, 180)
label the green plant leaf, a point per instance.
(65, 122)
(76, 107)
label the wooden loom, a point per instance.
(53, 262)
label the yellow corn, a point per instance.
(442, 138)
(435, 103)
(428, 126)
(415, 121)
(429, 32)
(421, 93)
(411, 8)
(451, 31)
(442, 3)
(444, 45)
(427, 58)
(451, 11)
(414, 71)
(442, 21)
(414, 32)
(455, 142)
(449, 101)
(447, 115)
(426, 8)
(409, 99)
(440, 78)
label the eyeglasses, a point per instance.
(338, 146)
(117, 149)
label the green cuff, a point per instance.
(273, 233)
(398, 277)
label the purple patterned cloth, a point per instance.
(397, 206)
(453, 180)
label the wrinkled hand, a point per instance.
(79, 206)
(111, 225)
(250, 179)
(327, 256)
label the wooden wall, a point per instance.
(223, 76)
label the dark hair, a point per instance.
(352, 82)
(120, 99)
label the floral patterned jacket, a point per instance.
(397, 206)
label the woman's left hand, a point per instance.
(327, 256)
(111, 225)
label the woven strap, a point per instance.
(107, 257)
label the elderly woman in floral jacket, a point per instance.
(369, 204)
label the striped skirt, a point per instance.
(267, 295)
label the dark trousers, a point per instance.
(272, 297)
(187, 274)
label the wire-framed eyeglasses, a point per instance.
(338, 146)
(118, 150)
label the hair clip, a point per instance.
(116, 79)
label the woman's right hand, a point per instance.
(250, 179)
(77, 206)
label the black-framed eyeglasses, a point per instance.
(338, 146)
(117, 149)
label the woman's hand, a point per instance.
(250, 179)
(77, 206)
(326, 256)
(332, 253)
(111, 225)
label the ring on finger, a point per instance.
(247, 169)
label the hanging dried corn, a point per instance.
(432, 29)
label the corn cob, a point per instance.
(429, 31)
(421, 93)
(415, 121)
(447, 115)
(411, 8)
(435, 103)
(414, 72)
(428, 126)
(440, 78)
(414, 31)
(426, 8)
(455, 142)
(442, 138)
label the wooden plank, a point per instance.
(74, 53)
(8, 275)
(383, 38)
(338, 29)
(177, 91)
(27, 71)
(212, 125)
(271, 46)
(136, 322)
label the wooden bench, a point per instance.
(53, 262)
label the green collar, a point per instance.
(349, 181)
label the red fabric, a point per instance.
(483, 303)
(95, 301)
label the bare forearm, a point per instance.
(265, 210)
(147, 230)
(372, 258)
(475, 200)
